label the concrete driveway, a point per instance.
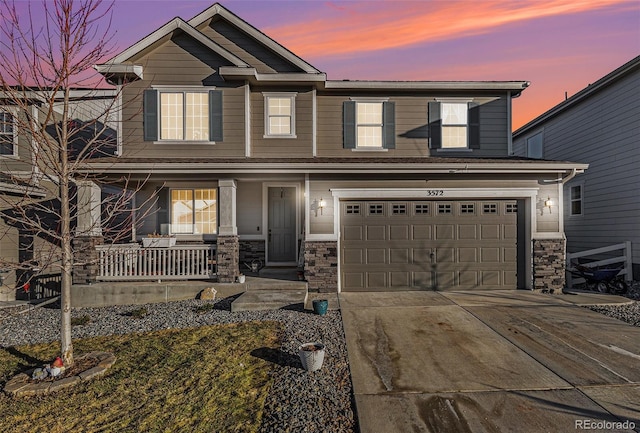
(497, 361)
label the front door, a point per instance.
(282, 224)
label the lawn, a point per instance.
(190, 380)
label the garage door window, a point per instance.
(444, 209)
(399, 209)
(489, 208)
(511, 208)
(376, 209)
(353, 209)
(467, 209)
(421, 208)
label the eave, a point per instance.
(254, 77)
(514, 87)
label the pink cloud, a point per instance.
(371, 26)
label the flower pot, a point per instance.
(241, 279)
(320, 306)
(311, 355)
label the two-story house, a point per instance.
(599, 125)
(379, 185)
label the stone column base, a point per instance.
(549, 258)
(321, 266)
(85, 258)
(228, 252)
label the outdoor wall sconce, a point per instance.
(548, 203)
(318, 204)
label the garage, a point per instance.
(428, 245)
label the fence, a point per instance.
(131, 262)
(594, 259)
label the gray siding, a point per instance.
(183, 62)
(412, 127)
(301, 146)
(603, 131)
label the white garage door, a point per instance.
(428, 245)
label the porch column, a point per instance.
(549, 257)
(228, 245)
(88, 232)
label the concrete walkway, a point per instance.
(496, 361)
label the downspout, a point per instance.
(574, 172)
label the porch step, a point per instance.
(256, 300)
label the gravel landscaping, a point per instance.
(298, 401)
(629, 313)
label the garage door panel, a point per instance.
(400, 279)
(399, 233)
(444, 231)
(352, 233)
(423, 245)
(467, 231)
(376, 233)
(467, 255)
(376, 256)
(376, 279)
(421, 232)
(352, 256)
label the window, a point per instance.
(279, 115)
(534, 146)
(399, 209)
(194, 211)
(444, 209)
(421, 208)
(454, 125)
(467, 208)
(376, 209)
(511, 208)
(8, 136)
(576, 200)
(369, 125)
(489, 208)
(182, 115)
(353, 209)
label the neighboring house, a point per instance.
(23, 178)
(378, 185)
(599, 125)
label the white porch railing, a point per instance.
(131, 262)
(623, 257)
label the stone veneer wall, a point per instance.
(251, 250)
(321, 265)
(86, 266)
(549, 258)
(228, 252)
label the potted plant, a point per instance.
(311, 355)
(320, 306)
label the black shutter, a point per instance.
(150, 118)
(215, 115)
(435, 126)
(389, 125)
(162, 208)
(474, 125)
(349, 124)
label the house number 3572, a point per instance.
(435, 193)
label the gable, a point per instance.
(246, 47)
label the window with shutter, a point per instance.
(369, 125)
(183, 115)
(454, 125)
(8, 135)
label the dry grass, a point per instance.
(192, 380)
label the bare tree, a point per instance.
(47, 57)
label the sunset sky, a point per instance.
(558, 45)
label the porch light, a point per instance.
(322, 204)
(548, 203)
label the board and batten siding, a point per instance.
(245, 47)
(181, 61)
(603, 130)
(285, 147)
(411, 127)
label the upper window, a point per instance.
(182, 115)
(454, 125)
(8, 136)
(194, 211)
(576, 200)
(369, 124)
(534, 146)
(279, 115)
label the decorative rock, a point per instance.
(208, 294)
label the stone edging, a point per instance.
(22, 384)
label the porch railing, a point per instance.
(129, 262)
(612, 255)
